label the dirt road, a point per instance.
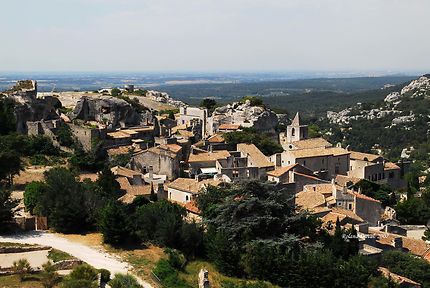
(95, 257)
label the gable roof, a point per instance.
(309, 199)
(131, 191)
(343, 215)
(257, 157)
(391, 166)
(192, 185)
(208, 156)
(311, 143)
(398, 278)
(364, 156)
(278, 172)
(318, 152)
(229, 127)
(217, 138)
(122, 171)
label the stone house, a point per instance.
(184, 190)
(295, 176)
(164, 160)
(202, 159)
(255, 158)
(367, 208)
(376, 169)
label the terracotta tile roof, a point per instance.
(311, 143)
(175, 148)
(325, 189)
(362, 196)
(185, 133)
(342, 180)
(281, 170)
(122, 171)
(342, 214)
(229, 127)
(308, 176)
(318, 152)
(415, 246)
(364, 156)
(131, 191)
(309, 199)
(160, 150)
(92, 176)
(397, 278)
(118, 135)
(192, 207)
(208, 156)
(179, 127)
(391, 166)
(121, 150)
(191, 185)
(217, 138)
(257, 157)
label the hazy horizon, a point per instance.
(214, 36)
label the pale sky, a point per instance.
(214, 35)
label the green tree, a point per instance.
(191, 240)
(83, 276)
(113, 223)
(65, 136)
(159, 222)
(62, 201)
(208, 103)
(32, 195)
(115, 92)
(153, 197)
(413, 211)
(49, 276)
(21, 267)
(7, 206)
(7, 116)
(124, 281)
(254, 101)
(10, 164)
(108, 184)
(426, 236)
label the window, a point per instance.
(186, 198)
(293, 132)
(350, 206)
(304, 163)
(391, 175)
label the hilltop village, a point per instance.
(162, 149)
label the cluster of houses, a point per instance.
(178, 157)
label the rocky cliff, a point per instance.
(28, 107)
(259, 117)
(401, 107)
(112, 111)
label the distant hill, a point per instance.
(398, 121)
(313, 96)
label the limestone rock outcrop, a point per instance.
(112, 111)
(28, 107)
(259, 117)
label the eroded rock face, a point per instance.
(25, 91)
(258, 117)
(106, 109)
(28, 107)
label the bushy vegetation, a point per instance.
(263, 141)
(70, 205)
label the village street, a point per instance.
(95, 257)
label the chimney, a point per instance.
(397, 242)
(151, 173)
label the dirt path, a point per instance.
(96, 258)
